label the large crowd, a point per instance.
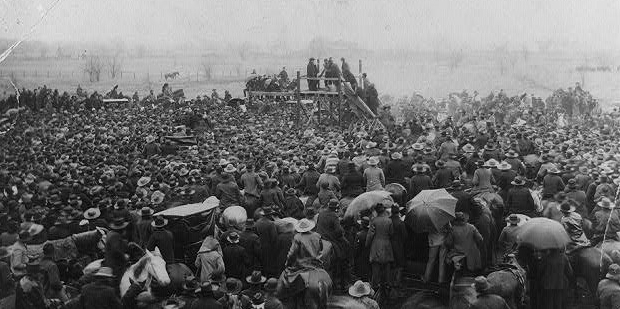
(70, 167)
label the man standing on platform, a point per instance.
(312, 71)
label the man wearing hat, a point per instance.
(162, 239)
(507, 242)
(101, 293)
(312, 70)
(396, 169)
(552, 183)
(577, 195)
(268, 235)
(362, 293)
(19, 258)
(606, 220)
(519, 199)
(504, 177)
(206, 297)
(28, 291)
(251, 183)
(116, 246)
(572, 223)
(255, 282)
(228, 192)
(52, 286)
(306, 243)
(235, 257)
(373, 176)
(486, 299)
(608, 291)
(7, 284)
(271, 300)
(328, 226)
(443, 177)
(143, 227)
(378, 239)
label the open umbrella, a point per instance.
(367, 200)
(543, 233)
(430, 210)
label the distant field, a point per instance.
(396, 76)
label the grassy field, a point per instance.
(397, 76)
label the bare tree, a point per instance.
(93, 68)
(207, 70)
(115, 65)
(456, 57)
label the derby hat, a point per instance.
(566, 207)
(518, 181)
(511, 154)
(146, 211)
(256, 278)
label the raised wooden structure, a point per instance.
(324, 106)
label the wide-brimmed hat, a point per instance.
(105, 272)
(143, 181)
(333, 203)
(396, 156)
(481, 284)
(233, 285)
(373, 161)
(518, 181)
(554, 170)
(159, 222)
(490, 163)
(504, 166)
(271, 285)
(489, 147)
(304, 225)
(511, 154)
(118, 223)
(92, 213)
(418, 168)
(605, 202)
(418, 146)
(173, 303)
(256, 278)
(613, 272)
(150, 139)
(566, 207)
(157, 197)
(456, 184)
(469, 148)
(513, 219)
(230, 169)
(359, 289)
(440, 163)
(291, 191)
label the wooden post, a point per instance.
(298, 97)
(340, 101)
(361, 85)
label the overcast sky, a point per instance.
(417, 24)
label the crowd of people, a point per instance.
(76, 167)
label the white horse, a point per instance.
(150, 266)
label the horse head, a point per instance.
(103, 233)
(156, 267)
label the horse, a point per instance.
(150, 266)
(306, 286)
(508, 281)
(424, 300)
(171, 75)
(608, 247)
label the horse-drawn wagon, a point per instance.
(190, 224)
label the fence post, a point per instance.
(361, 84)
(298, 95)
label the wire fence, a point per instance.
(197, 76)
